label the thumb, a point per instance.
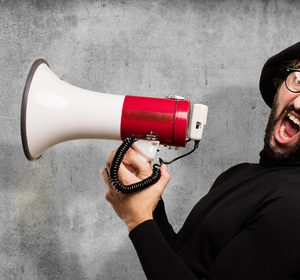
(133, 160)
(164, 179)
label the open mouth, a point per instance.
(287, 130)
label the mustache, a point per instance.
(292, 108)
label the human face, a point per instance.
(282, 140)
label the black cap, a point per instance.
(271, 70)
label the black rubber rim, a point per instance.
(32, 70)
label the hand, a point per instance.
(137, 207)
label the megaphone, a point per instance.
(54, 111)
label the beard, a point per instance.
(291, 154)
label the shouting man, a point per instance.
(248, 225)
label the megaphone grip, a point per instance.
(115, 165)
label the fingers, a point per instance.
(111, 194)
(110, 158)
(126, 176)
(133, 170)
(105, 177)
(132, 159)
(163, 180)
(165, 175)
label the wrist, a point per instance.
(134, 223)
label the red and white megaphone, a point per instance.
(54, 111)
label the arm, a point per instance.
(136, 210)
(158, 259)
(162, 222)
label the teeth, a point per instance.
(282, 133)
(294, 119)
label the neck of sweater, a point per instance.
(269, 162)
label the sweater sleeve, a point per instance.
(157, 258)
(161, 219)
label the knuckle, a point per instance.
(108, 196)
(107, 164)
(124, 180)
(110, 157)
(131, 152)
(167, 176)
(129, 156)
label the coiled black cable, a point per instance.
(115, 165)
(152, 179)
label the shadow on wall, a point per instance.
(122, 264)
(39, 246)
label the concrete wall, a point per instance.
(54, 220)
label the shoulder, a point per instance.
(236, 170)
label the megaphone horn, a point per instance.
(54, 111)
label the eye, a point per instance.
(292, 81)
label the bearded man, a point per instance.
(248, 225)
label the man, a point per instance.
(248, 225)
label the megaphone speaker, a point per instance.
(54, 111)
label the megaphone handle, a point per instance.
(115, 165)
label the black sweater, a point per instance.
(247, 226)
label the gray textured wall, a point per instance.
(54, 221)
